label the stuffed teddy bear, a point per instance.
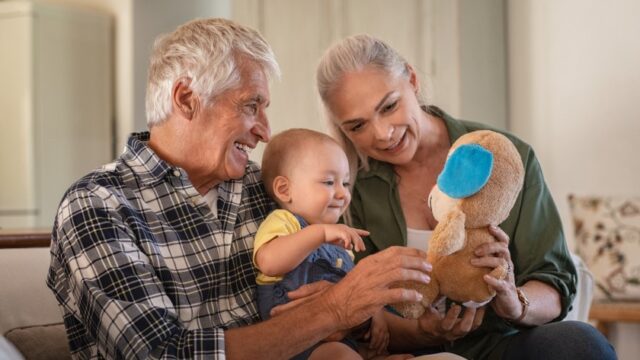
(478, 186)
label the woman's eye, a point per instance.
(356, 127)
(389, 107)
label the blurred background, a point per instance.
(563, 75)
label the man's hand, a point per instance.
(366, 289)
(301, 295)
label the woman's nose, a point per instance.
(383, 130)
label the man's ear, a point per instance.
(183, 99)
(413, 78)
(281, 189)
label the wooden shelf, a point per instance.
(14, 239)
(605, 313)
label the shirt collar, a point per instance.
(143, 161)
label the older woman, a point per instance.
(398, 146)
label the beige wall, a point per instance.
(122, 13)
(136, 24)
(574, 92)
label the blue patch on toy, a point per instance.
(466, 171)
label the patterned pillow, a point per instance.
(607, 233)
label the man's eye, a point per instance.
(252, 108)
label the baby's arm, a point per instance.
(282, 254)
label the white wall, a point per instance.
(574, 69)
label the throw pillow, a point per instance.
(607, 233)
(41, 342)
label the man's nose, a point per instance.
(262, 129)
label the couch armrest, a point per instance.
(584, 295)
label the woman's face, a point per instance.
(379, 113)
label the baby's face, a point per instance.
(319, 184)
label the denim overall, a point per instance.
(319, 265)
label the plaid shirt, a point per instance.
(142, 268)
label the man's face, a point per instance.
(230, 126)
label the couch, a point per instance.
(30, 319)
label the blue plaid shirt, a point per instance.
(142, 268)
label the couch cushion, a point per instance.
(607, 230)
(41, 342)
(25, 299)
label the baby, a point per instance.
(307, 174)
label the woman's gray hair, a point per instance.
(350, 55)
(207, 52)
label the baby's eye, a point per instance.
(329, 182)
(346, 184)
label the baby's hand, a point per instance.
(342, 235)
(378, 334)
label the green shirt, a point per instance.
(538, 248)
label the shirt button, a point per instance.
(176, 172)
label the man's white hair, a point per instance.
(207, 53)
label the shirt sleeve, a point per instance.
(538, 245)
(356, 213)
(110, 288)
(278, 223)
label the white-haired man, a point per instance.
(151, 255)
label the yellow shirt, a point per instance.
(279, 223)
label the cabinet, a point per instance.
(456, 46)
(55, 105)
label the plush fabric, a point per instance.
(607, 233)
(42, 342)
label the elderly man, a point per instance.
(151, 255)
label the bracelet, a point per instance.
(525, 304)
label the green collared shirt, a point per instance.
(538, 248)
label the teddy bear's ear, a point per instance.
(466, 171)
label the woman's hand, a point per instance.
(493, 255)
(438, 328)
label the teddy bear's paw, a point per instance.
(409, 310)
(500, 272)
